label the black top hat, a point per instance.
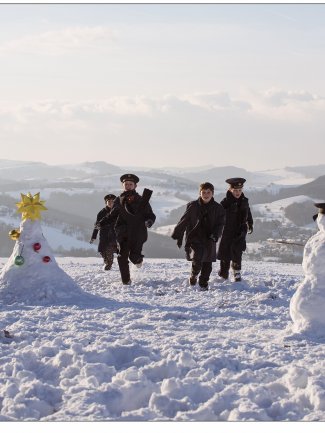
(130, 177)
(321, 207)
(110, 197)
(236, 182)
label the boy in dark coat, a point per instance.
(202, 223)
(107, 239)
(239, 221)
(133, 215)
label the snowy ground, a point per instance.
(160, 350)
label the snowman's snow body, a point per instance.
(307, 306)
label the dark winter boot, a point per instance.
(195, 270)
(204, 286)
(224, 269)
(236, 267)
(108, 259)
(126, 283)
(139, 264)
(205, 276)
(122, 260)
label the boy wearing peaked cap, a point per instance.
(133, 215)
(107, 239)
(239, 222)
(130, 178)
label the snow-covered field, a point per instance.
(160, 350)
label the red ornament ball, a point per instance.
(46, 259)
(37, 246)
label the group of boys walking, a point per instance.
(212, 230)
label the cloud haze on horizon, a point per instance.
(163, 85)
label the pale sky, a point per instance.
(163, 84)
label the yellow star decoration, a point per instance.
(30, 206)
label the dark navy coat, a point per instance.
(131, 213)
(202, 225)
(107, 235)
(238, 220)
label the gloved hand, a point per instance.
(188, 254)
(213, 238)
(179, 243)
(91, 240)
(148, 223)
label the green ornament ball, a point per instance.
(19, 260)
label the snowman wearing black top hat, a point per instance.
(307, 306)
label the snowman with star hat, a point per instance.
(307, 305)
(31, 274)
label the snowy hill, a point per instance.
(275, 210)
(160, 350)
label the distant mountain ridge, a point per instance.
(11, 170)
(309, 170)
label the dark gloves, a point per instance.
(91, 240)
(148, 223)
(188, 254)
(213, 237)
(179, 241)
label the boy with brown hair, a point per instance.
(202, 223)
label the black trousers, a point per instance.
(108, 255)
(199, 266)
(128, 251)
(225, 266)
(202, 268)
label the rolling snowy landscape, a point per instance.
(158, 349)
